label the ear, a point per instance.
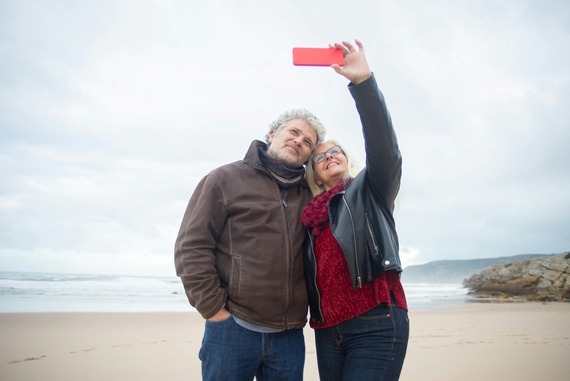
(271, 136)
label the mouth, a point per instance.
(294, 149)
(331, 164)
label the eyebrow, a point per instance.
(298, 130)
(325, 151)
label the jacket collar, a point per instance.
(257, 156)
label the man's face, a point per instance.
(293, 143)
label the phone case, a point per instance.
(317, 56)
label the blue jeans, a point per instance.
(231, 352)
(371, 346)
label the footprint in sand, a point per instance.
(83, 350)
(27, 359)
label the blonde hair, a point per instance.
(311, 176)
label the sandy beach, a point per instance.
(475, 341)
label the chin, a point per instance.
(337, 171)
(291, 162)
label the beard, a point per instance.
(286, 156)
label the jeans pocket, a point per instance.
(219, 322)
(383, 311)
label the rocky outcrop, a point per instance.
(456, 271)
(542, 279)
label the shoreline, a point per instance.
(471, 341)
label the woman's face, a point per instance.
(330, 165)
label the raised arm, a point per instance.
(383, 158)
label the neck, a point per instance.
(333, 182)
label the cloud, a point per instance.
(111, 112)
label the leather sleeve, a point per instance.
(383, 157)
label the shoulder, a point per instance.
(235, 175)
(230, 169)
(360, 186)
(360, 181)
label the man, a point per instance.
(239, 255)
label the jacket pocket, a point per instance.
(234, 281)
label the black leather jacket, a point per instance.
(361, 216)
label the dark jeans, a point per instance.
(371, 346)
(231, 352)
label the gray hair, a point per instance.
(302, 114)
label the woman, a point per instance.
(352, 266)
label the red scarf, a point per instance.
(316, 214)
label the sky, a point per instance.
(112, 111)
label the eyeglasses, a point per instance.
(333, 151)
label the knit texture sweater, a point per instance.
(339, 301)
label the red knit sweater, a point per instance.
(339, 301)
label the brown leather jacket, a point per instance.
(240, 245)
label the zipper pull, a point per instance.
(358, 282)
(283, 197)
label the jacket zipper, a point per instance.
(371, 232)
(356, 266)
(289, 264)
(312, 246)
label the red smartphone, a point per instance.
(317, 56)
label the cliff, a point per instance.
(540, 279)
(455, 271)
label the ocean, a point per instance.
(42, 292)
